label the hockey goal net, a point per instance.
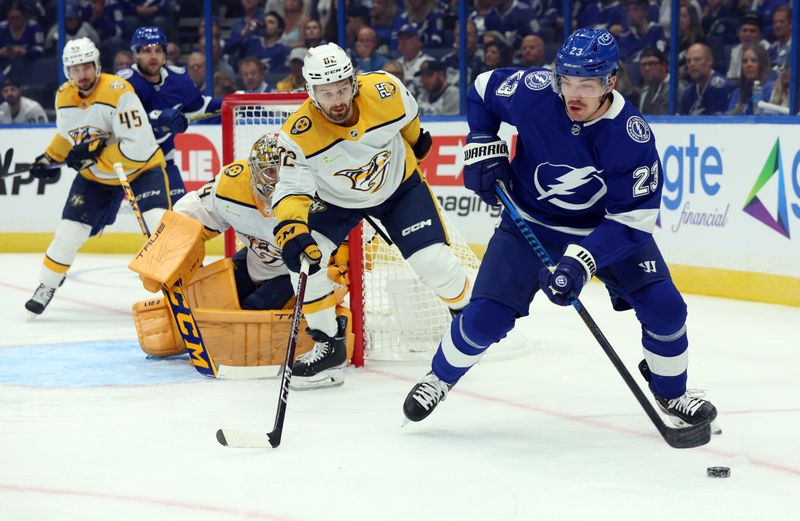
(395, 316)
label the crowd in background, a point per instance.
(731, 54)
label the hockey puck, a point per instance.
(718, 472)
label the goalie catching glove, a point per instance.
(575, 268)
(295, 240)
(485, 163)
(85, 154)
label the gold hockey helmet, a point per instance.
(264, 161)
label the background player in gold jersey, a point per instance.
(100, 121)
(352, 149)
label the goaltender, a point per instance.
(238, 301)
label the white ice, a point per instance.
(91, 430)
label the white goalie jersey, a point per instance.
(358, 166)
(228, 201)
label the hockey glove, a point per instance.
(172, 120)
(85, 154)
(423, 145)
(295, 241)
(485, 163)
(41, 168)
(575, 268)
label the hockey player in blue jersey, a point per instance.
(168, 96)
(587, 178)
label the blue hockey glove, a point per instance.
(485, 163)
(295, 240)
(575, 268)
(40, 169)
(84, 154)
(172, 120)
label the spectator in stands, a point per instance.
(220, 63)
(270, 50)
(708, 93)
(17, 108)
(20, 37)
(106, 20)
(294, 20)
(436, 97)
(484, 16)
(720, 21)
(517, 20)
(641, 33)
(196, 68)
(494, 36)
(74, 28)
(496, 55)
(294, 82)
(312, 34)
(749, 32)
(765, 9)
(780, 50)
(411, 55)
(781, 88)
(250, 25)
(122, 60)
(604, 14)
(358, 17)
(386, 22)
(474, 57)
(251, 71)
(174, 55)
(691, 32)
(367, 57)
(428, 19)
(223, 84)
(531, 52)
(654, 70)
(151, 12)
(756, 67)
(394, 68)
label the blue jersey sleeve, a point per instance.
(634, 180)
(489, 99)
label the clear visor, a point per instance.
(334, 93)
(576, 87)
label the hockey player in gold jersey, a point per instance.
(100, 121)
(354, 146)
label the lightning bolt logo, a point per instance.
(568, 181)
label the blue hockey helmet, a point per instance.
(588, 53)
(144, 36)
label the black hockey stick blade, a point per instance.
(687, 437)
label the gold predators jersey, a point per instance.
(114, 112)
(228, 201)
(356, 166)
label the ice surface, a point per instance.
(91, 430)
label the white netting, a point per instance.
(403, 318)
(253, 121)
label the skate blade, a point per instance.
(715, 428)
(31, 316)
(324, 380)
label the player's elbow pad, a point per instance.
(423, 145)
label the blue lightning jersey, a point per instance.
(175, 90)
(597, 184)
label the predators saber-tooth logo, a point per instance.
(370, 177)
(89, 133)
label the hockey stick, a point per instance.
(255, 440)
(205, 115)
(679, 438)
(178, 303)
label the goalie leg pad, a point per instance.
(477, 327)
(156, 329)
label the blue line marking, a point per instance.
(90, 364)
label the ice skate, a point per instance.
(322, 366)
(41, 298)
(424, 397)
(688, 409)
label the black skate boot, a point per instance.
(41, 298)
(686, 410)
(322, 366)
(424, 397)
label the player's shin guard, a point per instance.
(68, 239)
(482, 323)
(439, 268)
(662, 313)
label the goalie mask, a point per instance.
(264, 160)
